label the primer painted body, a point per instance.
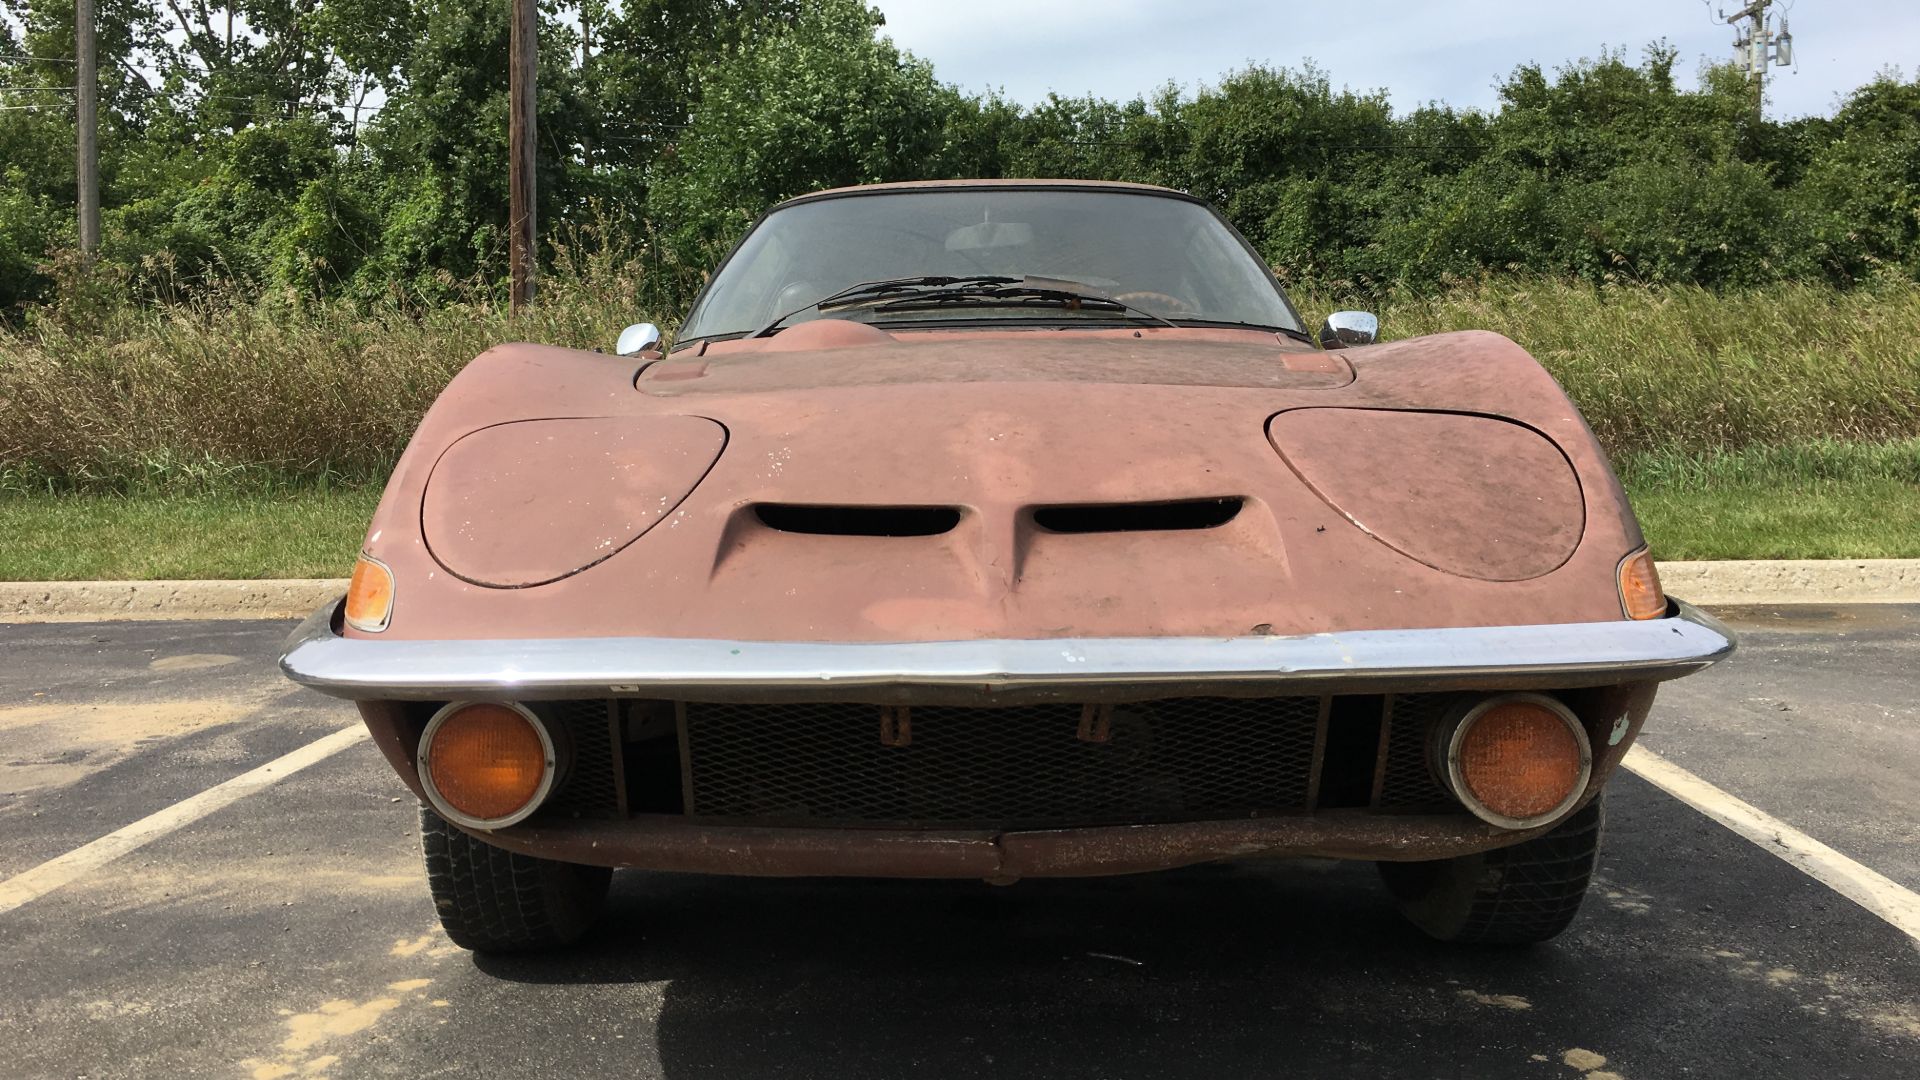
(1074, 513)
(997, 425)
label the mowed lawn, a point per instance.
(314, 533)
(311, 533)
(1861, 519)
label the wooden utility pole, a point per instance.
(523, 63)
(86, 98)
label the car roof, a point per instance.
(1015, 184)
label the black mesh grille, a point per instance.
(1407, 783)
(1179, 759)
(588, 790)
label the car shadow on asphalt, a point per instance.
(1684, 959)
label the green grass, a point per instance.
(1820, 500)
(310, 533)
(1868, 519)
(1823, 499)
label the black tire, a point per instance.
(492, 900)
(1516, 895)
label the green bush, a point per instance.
(250, 175)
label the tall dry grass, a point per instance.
(1693, 372)
(217, 394)
(248, 394)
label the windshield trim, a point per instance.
(1103, 320)
(881, 190)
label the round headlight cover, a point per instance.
(534, 501)
(1470, 495)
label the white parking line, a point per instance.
(55, 872)
(1888, 899)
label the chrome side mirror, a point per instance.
(639, 337)
(1346, 328)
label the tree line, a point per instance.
(357, 149)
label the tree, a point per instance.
(822, 102)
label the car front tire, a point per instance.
(1518, 895)
(492, 900)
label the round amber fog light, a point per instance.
(486, 765)
(1518, 760)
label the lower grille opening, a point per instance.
(1353, 752)
(590, 787)
(1057, 764)
(652, 756)
(1138, 517)
(858, 520)
(1407, 780)
(1045, 765)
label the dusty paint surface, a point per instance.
(998, 428)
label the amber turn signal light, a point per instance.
(370, 596)
(1640, 593)
(1518, 760)
(486, 765)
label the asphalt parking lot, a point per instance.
(289, 934)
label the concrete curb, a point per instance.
(1794, 581)
(101, 601)
(1710, 584)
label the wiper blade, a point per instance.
(869, 290)
(1019, 292)
(854, 294)
(1229, 324)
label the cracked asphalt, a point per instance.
(290, 934)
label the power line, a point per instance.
(19, 57)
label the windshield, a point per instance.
(1167, 256)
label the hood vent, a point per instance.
(1138, 517)
(858, 520)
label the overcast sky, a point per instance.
(1448, 50)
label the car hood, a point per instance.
(1016, 485)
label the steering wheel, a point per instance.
(1158, 303)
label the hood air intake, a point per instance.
(1138, 517)
(858, 520)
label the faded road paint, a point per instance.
(52, 874)
(1888, 899)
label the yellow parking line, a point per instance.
(1888, 899)
(55, 872)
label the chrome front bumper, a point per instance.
(1004, 670)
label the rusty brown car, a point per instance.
(1003, 530)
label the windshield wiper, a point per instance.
(867, 291)
(1016, 292)
(1298, 335)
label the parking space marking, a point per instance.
(1898, 905)
(55, 872)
